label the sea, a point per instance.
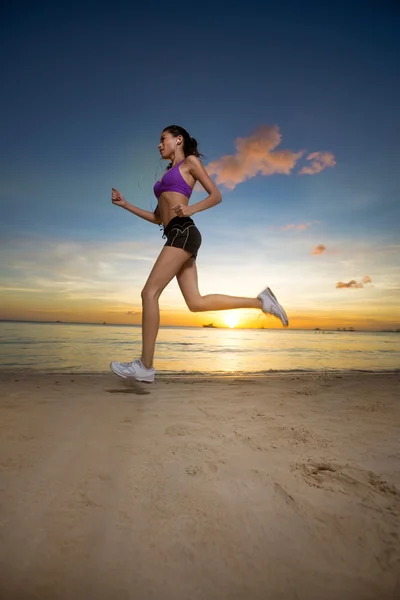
(89, 348)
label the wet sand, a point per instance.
(285, 487)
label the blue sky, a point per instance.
(88, 91)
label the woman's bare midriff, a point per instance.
(165, 203)
(169, 199)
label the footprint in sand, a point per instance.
(370, 487)
(298, 436)
(192, 469)
(193, 429)
(177, 430)
(209, 466)
(258, 415)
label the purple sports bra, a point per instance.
(173, 181)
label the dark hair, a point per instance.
(189, 143)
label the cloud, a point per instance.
(353, 283)
(320, 249)
(319, 162)
(75, 270)
(298, 227)
(255, 155)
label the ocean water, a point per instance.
(75, 348)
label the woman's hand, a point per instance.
(117, 198)
(181, 210)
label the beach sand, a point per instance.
(281, 487)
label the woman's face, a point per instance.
(168, 144)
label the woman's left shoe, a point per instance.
(133, 370)
(271, 306)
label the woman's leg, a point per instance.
(167, 265)
(188, 283)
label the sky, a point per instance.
(295, 108)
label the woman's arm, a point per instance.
(144, 214)
(199, 173)
(212, 200)
(118, 199)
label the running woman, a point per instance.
(178, 256)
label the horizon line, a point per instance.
(351, 329)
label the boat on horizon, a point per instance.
(210, 325)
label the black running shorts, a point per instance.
(181, 232)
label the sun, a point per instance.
(231, 320)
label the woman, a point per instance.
(178, 256)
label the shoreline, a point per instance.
(6, 372)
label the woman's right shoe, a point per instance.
(271, 306)
(133, 370)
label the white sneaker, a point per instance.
(135, 370)
(271, 306)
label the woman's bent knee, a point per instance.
(195, 305)
(150, 294)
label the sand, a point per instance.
(282, 487)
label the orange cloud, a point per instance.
(353, 283)
(320, 249)
(255, 155)
(319, 162)
(299, 226)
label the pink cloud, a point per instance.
(254, 155)
(257, 154)
(353, 283)
(298, 227)
(320, 249)
(319, 162)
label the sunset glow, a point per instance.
(231, 320)
(308, 203)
